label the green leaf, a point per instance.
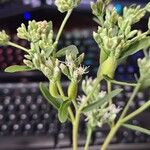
(69, 49)
(135, 47)
(136, 128)
(101, 101)
(53, 101)
(63, 111)
(118, 82)
(17, 68)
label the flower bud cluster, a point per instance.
(134, 13)
(144, 67)
(72, 67)
(101, 115)
(99, 7)
(4, 38)
(115, 33)
(40, 36)
(87, 86)
(40, 33)
(66, 5)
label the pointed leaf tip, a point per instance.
(17, 68)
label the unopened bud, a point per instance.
(4, 38)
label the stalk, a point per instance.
(17, 46)
(77, 118)
(110, 136)
(88, 139)
(123, 83)
(136, 112)
(109, 90)
(75, 131)
(118, 124)
(130, 100)
(63, 25)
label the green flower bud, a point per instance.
(97, 8)
(144, 67)
(47, 72)
(44, 27)
(28, 63)
(148, 7)
(56, 73)
(127, 30)
(65, 5)
(4, 38)
(57, 62)
(53, 89)
(109, 66)
(64, 70)
(42, 66)
(42, 57)
(49, 63)
(36, 63)
(132, 34)
(35, 47)
(80, 59)
(87, 86)
(28, 57)
(22, 32)
(32, 25)
(72, 90)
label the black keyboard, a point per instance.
(28, 121)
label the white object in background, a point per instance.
(35, 3)
(49, 2)
(26, 2)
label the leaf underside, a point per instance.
(72, 49)
(63, 111)
(17, 68)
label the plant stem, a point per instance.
(75, 104)
(110, 136)
(63, 25)
(18, 46)
(75, 131)
(135, 113)
(123, 83)
(109, 90)
(60, 89)
(116, 127)
(77, 118)
(88, 139)
(130, 100)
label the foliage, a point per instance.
(116, 39)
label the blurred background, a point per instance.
(27, 121)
